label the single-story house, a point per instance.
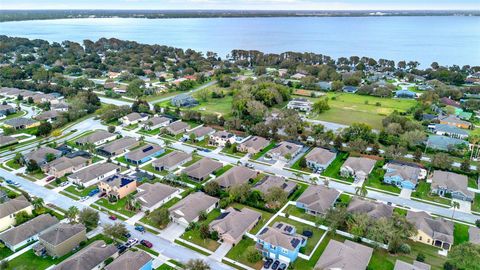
(156, 122)
(10, 208)
(118, 185)
(64, 165)
(453, 120)
(237, 175)
(416, 265)
(455, 184)
(405, 94)
(91, 175)
(48, 116)
(6, 110)
(284, 151)
(317, 199)
(41, 155)
(134, 118)
(90, 257)
(21, 123)
(171, 161)
(370, 208)
(448, 130)
(151, 196)
(357, 167)
(189, 208)
(280, 242)
(27, 232)
(7, 140)
(253, 145)
(132, 260)
(60, 107)
(184, 100)
(319, 159)
(232, 224)
(144, 153)
(270, 181)
(97, 138)
(60, 239)
(220, 138)
(199, 134)
(201, 170)
(432, 231)
(346, 256)
(177, 127)
(402, 175)
(300, 104)
(444, 143)
(118, 147)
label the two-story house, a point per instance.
(10, 208)
(280, 242)
(118, 186)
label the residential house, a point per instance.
(370, 208)
(118, 147)
(7, 140)
(405, 94)
(220, 138)
(233, 223)
(27, 232)
(156, 122)
(132, 260)
(456, 185)
(280, 242)
(284, 151)
(270, 181)
(345, 256)
(64, 165)
(97, 138)
(177, 127)
(298, 76)
(42, 155)
(402, 175)
(89, 258)
(6, 110)
(10, 208)
(300, 104)
(450, 102)
(253, 145)
(189, 208)
(416, 265)
(445, 143)
(432, 231)
(171, 161)
(453, 120)
(201, 170)
(151, 196)
(20, 123)
(350, 89)
(317, 199)
(93, 174)
(184, 100)
(48, 116)
(60, 239)
(319, 159)
(118, 186)
(134, 118)
(237, 175)
(325, 86)
(357, 167)
(144, 153)
(60, 107)
(448, 130)
(199, 134)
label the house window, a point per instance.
(420, 238)
(428, 241)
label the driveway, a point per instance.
(221, 251)
(172, 232)
(464, 205)
(406, 193)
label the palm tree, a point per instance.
(326, 182)
(298, 175)
(72, 213)
(361, 191)
(455, 205)
(38, 203)
(132, 203)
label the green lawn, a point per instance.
(266, 216)
(460, 233)
(168, 204)
(194, 235)
(118, 206)
(476, 203)
(195, 158)
(233, 151)
(238, 253)
(223, 170)
(364, 108)
(301, 187)
(80, 192)
(164, 267)
(265, 150)
(5, 252)
(219, 106)
(375, 180)
(297, 166)
(292, 210)
(149, 167)
(12, 164)
(423, 192)
(333, 170)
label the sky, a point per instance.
(246, 4)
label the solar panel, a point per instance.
(279, 225)
(147, 148)
(264, 230)
(295, 242)
(289, 229)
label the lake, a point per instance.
(447, 40)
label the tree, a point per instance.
(321, 106)
(72, 214)
(361, 191)
(465, 256)
(417, 155)
(197, 264)
(442, 161)
(303, 162)
(465, 166)
(275, 197)
(204, 231)
(21, 217)
(337, 85)
(239, 193)
(131, 203)
(115, 230)
(111, 129)
(357, 224)
(88, 217)
(32, 166)
(38, 203)
(160, 216)
(4, 265)
(335, 218)
(455, 205)
(253, 255)
(44, 129)
(212, 188)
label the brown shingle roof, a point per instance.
(372, 209)
(89, 257)
(202, 168)
(28, 229)
(320, 155)
(150, 194)
(256, 142)
(437, 228)
(318, 198)
(130, 260)
(346, 256)
(190, 207)
(270, 181)
(171, 159)
(13, 205)
(235, 223)
(61, 232)
(236, 176)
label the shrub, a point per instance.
(420, 257)
(405, 248)
(477, 222)
(253, 255)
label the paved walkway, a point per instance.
(135, 218)
(221, 251)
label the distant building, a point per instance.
(184, 100)
(177, 127)
(453, 120)
(350, 89)
(118, 146)
(7, 140)
(405, 94)
(448, 130)
(284, 151)
(220, 138)
(97, 138)
(156, 122)
(445, 143)
(134, 118)
(6, 110)
(200, 133)
(48, 116)
(300, 104)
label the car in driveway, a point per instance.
(282, 266)
(64, 184)
(121, 248)
(127, 235)
(50, 178)
(267, 263)
(93, 192)
(275, 265)
(146, 243)
(131, 242)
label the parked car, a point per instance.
(121, 248)
(84, 198)
(131, 242)
(10, 182)
(112, 217)
(127, 235)
(102, 194)
(282, 266)
(140, 228)
(275, 265)
(267, 263)
(50, 178)
(146, 243)
(64, 184)
(93, 192)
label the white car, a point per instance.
(64, 184)
(84, 198)
(131, 242)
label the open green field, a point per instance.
(351, 108)
(222, 106)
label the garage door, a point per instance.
(284, 259)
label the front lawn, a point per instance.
(238, 253)
(375, 180)
(476, 203)
(194, 235)
(223, 170)
(301, 187)
(168, 204)
(149, 167)
(264, 150)
(14, 165)
(293, 210)
(423, 192)
(80, 192)
(119, 206)
(195, 158)
(333, 170)
(460, 233)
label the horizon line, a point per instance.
(271, 10)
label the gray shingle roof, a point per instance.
(443, 142)
(452, 181)
(150, 194)
(190, 207)
(61, 233)
(360, 164)
(437, 228)
(318, 198)
(406, 172)
(13, 205)
(346, 256)
(40, 154)
(143, 152)
(119, 145)
(28, 229)
(89, 257)
(401, 265)
(171, 159)
(236, 176)
(235, 223)
(95, 137)
(256, 142)
(130, 260)
(202, 168)
(372, 209)
(270, 181)
(20, 121)
(320, 155)
(278, 237)
(450, 129)
(93, 171)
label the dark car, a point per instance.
(112, 217)
(146, 243)
(121, 248)
(267, 263)
(140, 228)
(282, 267)
(275, 265)
(127, 235)
(50, 178)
